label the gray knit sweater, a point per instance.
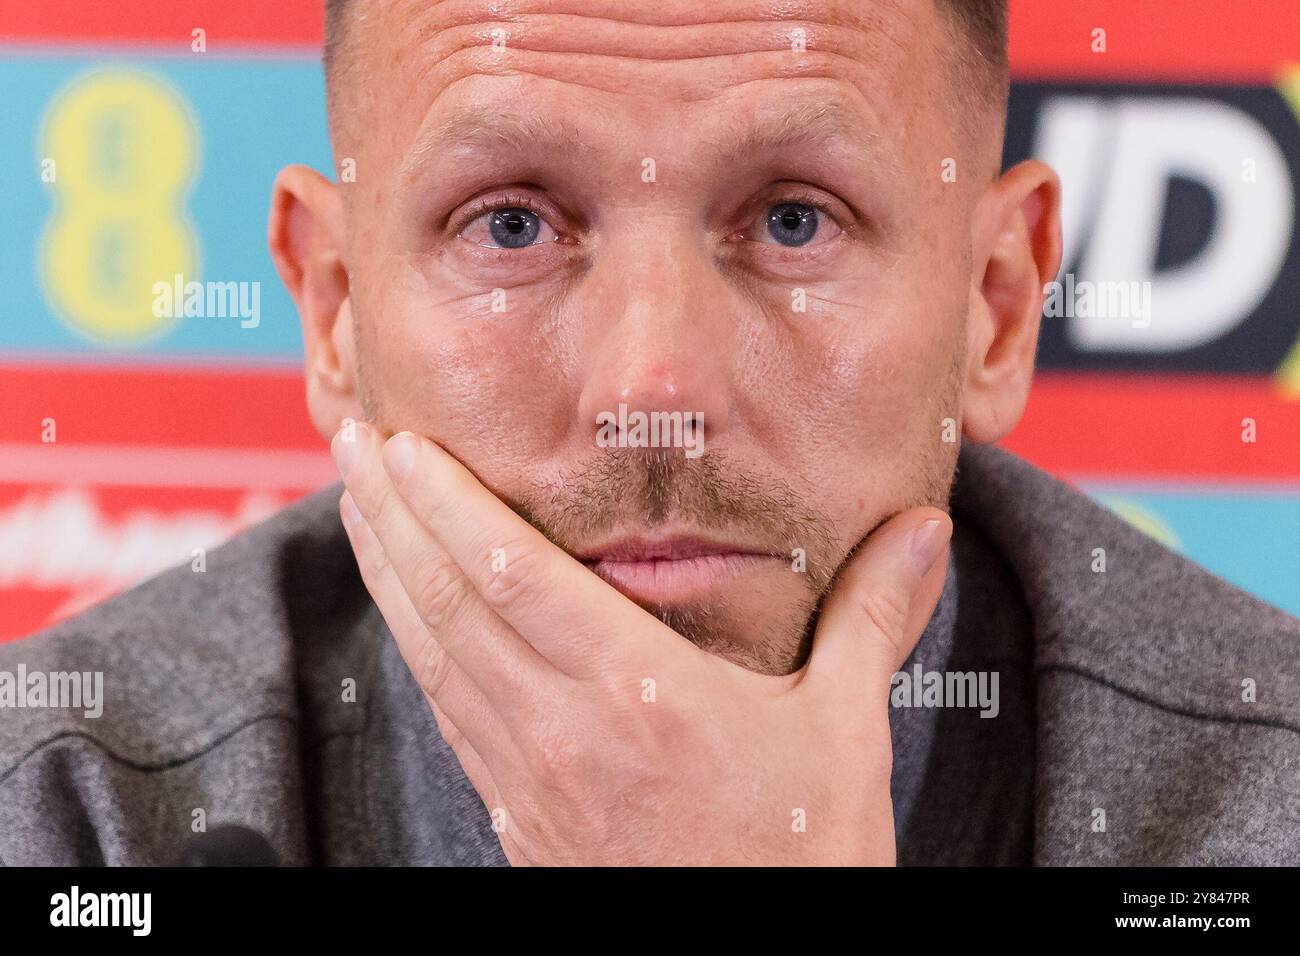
(1147, 714)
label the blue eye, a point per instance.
(514, 228)
(511, 227)
(792, 224)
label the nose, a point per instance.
(670, 347)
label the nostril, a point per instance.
(627, 427)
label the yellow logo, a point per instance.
(123, 147)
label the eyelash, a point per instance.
(506, 200)
(799, 198)
(519, 200)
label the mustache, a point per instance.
(650, 488)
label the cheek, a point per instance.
(490, 386)
(877, 385)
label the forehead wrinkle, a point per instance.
(690, 85)
(442, 44)
(455, 13)
(452, 39)
(568, 33)
(865, 40)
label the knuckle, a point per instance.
(618, 688)
(556, 755)
(434, 670)
(374, 562)
(886, 611)
(439, 594)
(512, 585)
(449, 732)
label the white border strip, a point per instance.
(165, 467)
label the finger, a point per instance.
(879, 605)
(509, 672)
(560, 607)
(443, 683)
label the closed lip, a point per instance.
(669, 548)
(672, 569)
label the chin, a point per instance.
(761, 624)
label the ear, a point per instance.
(1016, 239)
(306, 235)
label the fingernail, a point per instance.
(348, 509)
(346, 449)
(399, 455)
(927, 544)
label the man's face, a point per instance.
(671, 207)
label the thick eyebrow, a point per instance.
(818, 125)
(801, 125)
(473, 129)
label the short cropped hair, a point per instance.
(984, 23)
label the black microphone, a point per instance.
(228, 845)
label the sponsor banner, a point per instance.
(166, 24)
(1162, 428)
(68, 544)
(1179, 208)
(1174, 41)
(111, 473)
(136, 199)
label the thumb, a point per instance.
(881, 601)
